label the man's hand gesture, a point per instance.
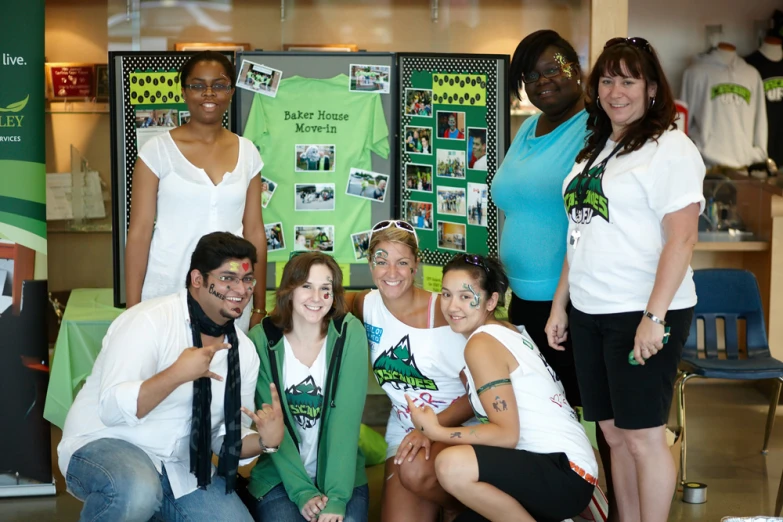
(193, 363)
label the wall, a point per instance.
(676, 28)
(76, 31)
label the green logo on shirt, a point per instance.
(584, 196)
(728, 89)
(304, 401)
(398, 367)
(773, 88)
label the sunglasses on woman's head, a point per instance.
(398, 223)
(639, 43)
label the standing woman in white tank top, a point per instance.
(414, 352)
(195, 179)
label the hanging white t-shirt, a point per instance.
(425, 363)
(190, 205)
(304, 393)
(547, 423)
(617, 215)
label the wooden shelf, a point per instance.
(732, 246)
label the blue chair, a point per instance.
(731, 295)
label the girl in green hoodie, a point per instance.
(314, 351)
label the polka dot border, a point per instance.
(488, 67)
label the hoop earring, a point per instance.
(598, 103)
(652, 102)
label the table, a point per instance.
(87, 317)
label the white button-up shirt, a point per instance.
(141, 343)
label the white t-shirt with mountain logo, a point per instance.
(304, 394)
(616, 212)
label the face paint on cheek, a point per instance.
(476, 296)
(564, 65)
(327, 295)
(217, 294)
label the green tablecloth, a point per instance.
(87, 317)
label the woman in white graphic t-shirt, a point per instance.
(633, 201)
(529, 459)
(413, 351)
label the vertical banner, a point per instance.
(24, 354)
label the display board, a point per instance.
(324, 124)
(146, 100)
(454, 134)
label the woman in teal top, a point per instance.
(528, 189)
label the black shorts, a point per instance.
(636, 397)
(544, 484)
(534, 315)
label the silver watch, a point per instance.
(266, 449)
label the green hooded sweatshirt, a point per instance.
(340, 461)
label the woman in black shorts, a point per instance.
(633, 201)
(529, 459)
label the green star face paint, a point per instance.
(378, 255)
(565, 66)
(476, 296)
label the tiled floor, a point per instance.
(726, 430)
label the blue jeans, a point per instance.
(117, 481)
(275, 506)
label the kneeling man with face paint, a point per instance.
(170, 386)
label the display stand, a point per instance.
(341, 106)
(146, 98)
(445, 183)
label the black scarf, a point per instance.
(201, 424)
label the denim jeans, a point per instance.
(275, 506)
(117, 481)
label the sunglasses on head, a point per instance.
(475, 260)
(398, 223)
(639, 43)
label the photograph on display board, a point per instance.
(274, 236)
(184, 117)
(418, 140)
(314, 158)
(418, 177)
(369, 78)
(268, 188)
(451, 236)
(316, 238)
(451, 125)
(368, 185)
(259, 78)
(313, 196)
(361, 244)
(419, 214)
(151, 123)
(451, 201)
(478, 203)
(477, 148)
(418, 102)
(451, 163)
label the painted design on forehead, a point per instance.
(233, 266)
(217, 294)
(564, 65)
(476, 296)
(379, 254)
